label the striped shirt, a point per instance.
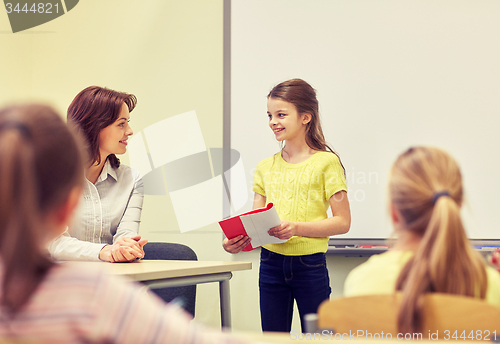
(82, 304)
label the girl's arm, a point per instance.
(495, 259)
(238, 243)
(259, 201)
(339, 223)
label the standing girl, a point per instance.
(302, 180)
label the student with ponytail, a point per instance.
(41, 182)
(432, 252)
(39, 187)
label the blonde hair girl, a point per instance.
(432, 253)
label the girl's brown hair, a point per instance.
(40, 163)
(92, 110)
(303, 96)
(425, 187)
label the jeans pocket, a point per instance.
(265, 255)
(313, 260)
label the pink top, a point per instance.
(78, 304)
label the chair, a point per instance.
(170, 251)
(445, 316)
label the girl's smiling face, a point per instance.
(113, 138)
(285, 121)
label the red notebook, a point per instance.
(255, 224)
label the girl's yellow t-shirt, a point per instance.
(378, 275)
(301, 193)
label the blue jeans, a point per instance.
(284, 279)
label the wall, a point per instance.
(389, 74)
(169, 54)
(15, 63)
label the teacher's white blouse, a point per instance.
(109, 210)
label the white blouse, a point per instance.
(110, 209)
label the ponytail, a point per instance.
(40, 162)
(444, 260)
(23, 263)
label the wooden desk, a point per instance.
(177, 273)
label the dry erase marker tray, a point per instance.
(369, 247)
(357, 247)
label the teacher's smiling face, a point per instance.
(113, 138)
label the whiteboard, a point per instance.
(389, 74)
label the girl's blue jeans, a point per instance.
(284, 279)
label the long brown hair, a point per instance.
(40, 163)
(425, 187)
(303, 96)
(92, 110)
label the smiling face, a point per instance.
(284, 120)
(113, 138)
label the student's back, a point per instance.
(432, 252)
(75, 303)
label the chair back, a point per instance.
(445, 317)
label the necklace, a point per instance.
(288, 155)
